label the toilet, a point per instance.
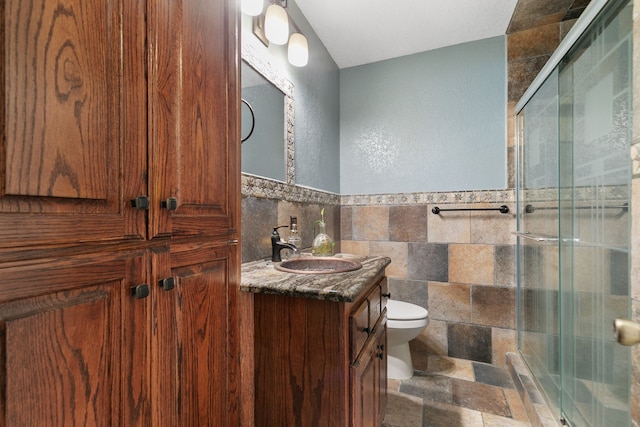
(405, 321)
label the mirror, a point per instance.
(268, 150)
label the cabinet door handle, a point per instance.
(141, 203)
(170, 204)
(140, 291)
(380, 355)
(366, 330)
(387, 295)
(168, 283)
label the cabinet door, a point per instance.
(197, 368)
(194, 148)
(72, 122)
(369, 380)
(66, 357)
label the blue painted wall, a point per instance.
(433, 121)
(317, 106)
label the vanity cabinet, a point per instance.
(320, 362)
(119, 213)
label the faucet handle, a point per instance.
(275, 231)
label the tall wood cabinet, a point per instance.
(119, 213)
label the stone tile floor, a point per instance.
(455, 393)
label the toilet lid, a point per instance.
(400, 310)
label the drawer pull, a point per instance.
(168, 283)
(140, 202)
(170, 204)
(387, 295)
(380, 355)
(366, 330)
(140, 291)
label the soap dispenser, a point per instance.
(322, 243)
(294, 238)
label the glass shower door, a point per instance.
(594, 221)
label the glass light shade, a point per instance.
(252, 7)
(298, 51)
(276, 24)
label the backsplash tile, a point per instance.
(450, 301)
(408, 223)
(471, 264)
(414, 291)
(370, 223)
(428, 261)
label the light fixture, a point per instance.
(298, 51)
(252, 7)
(276, 24)
(273, 26)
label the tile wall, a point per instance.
(267, 204)
(459, 265)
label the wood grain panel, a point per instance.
(67, 149)
(300, 362)
(66, 358)
(197, 375)
(193, 100)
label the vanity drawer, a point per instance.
(359, 328)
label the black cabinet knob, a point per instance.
(140, 291)
(141, 203)
(168, 283)
(170, 204)
(387, 295)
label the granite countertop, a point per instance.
(262, 277)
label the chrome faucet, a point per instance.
(278, 245)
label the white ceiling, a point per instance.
(359, 32)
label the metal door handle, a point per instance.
(534, 237)
(627, 332)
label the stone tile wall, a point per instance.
(459, 265)
(267, 204)
(536, 29)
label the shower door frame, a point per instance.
(564, 241)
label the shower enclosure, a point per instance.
(573, 194)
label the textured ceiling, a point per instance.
(357, 32)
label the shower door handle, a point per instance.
(627, 332)
(534, 237)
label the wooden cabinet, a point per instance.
(321, 362)
(114, 99)
(368, 324)
(111, 313)
(70, 338)
(195, 348)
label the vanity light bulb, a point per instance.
(252, 7)
(276, 24)
(298, 51)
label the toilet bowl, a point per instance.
(405, 321)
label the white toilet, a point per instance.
(405, 321)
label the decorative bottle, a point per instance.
(322, 243)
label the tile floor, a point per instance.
(453, 392)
